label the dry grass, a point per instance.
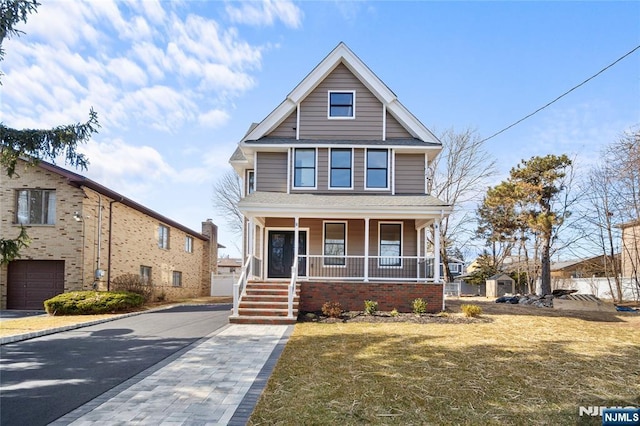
(518, 365)
(10, 327)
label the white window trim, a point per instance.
(315, 170)
(340, 188)
(346, 251)
(401, 244)
(329, 116)
(366, 168)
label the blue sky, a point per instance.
(176, 84)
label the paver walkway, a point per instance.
(215, 381)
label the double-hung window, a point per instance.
(177, 279)
(305, 168)
(145, 274)
(163, 237)
(390, 244)
(342, 104)
(335, 243)
(36, 207)
(341, 165)
(377, 169)
(251, 181)
(188, 244)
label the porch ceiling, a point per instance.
(276, 204)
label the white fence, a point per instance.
(222, 285)
(600, 287)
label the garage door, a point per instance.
(31, 282)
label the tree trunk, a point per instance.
(545, 264)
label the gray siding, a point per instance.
(323, 169)
(314, 123)
(409, 174)
(395, 129)
(286, 129)
(271, 172)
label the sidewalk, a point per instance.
(215, 381)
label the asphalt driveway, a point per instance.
(44, 378)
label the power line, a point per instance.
(563, 95)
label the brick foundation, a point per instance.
(351, 295)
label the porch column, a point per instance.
(418, 254)
(250, 236)
(425, 247)
(436, 251)
(296, 233)
(366, 249)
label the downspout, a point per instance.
(95, 273)
(110, 235)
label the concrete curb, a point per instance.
(26, 336)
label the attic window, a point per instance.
(342, 104)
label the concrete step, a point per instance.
(264, 312)
(266, 304)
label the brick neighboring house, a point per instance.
(84, 235)
(335, 199)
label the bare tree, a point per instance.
(227, 192)
(458, 176)
(612, 191)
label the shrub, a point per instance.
(419, 306)
(92, 302)
(394, 312)
(471, 310)
(370, 307)
(332, 309)
(133, 283)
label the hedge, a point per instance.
(92, 302)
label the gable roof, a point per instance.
(79, 181)
(342, 54)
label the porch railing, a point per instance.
(399, 268)
(240, 285)
(292, 287)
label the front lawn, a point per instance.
(514, 365)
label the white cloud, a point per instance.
(265, 13)
(213, 118)
(106, 54)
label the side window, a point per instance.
(36, 207)
(177, 279)
(163, 237)
(145, 274)
(251, 182)
(188, 244)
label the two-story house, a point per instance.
(84, 235)
(335, 199)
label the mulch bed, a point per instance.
(386, 317)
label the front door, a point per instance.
(281, 249)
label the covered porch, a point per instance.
(359, 239)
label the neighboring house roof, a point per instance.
(342, 54)
(595, 260)
(78, 181)
(229, 262)
(358, 204)
(499, 276)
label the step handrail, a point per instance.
(292, 286)
(240, 285)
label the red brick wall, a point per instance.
(351, 295)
